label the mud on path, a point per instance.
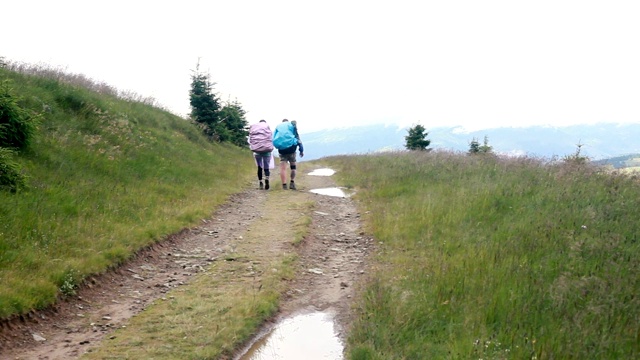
(331, 260)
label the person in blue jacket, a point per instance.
(287, 140)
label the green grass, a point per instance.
(489, 258)
(107, 176)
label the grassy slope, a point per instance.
(107, 177)
(496, 258)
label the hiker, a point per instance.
(260, 142)
(287, 140)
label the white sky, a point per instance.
(327, 64)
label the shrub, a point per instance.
(17, 125)
(577, 158)
(11, 179)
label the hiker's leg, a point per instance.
(265, 166)
(283, 168)
(293, 171)
(292, 184)
(258, 159)
(263, 162)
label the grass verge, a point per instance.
(490, 258)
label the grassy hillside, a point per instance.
(487, 258)
(106, 177)
(628, 163)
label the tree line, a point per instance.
(416, 139)
(227, 123)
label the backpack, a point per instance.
(260, 137)
(284, 136)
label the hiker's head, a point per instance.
(263, 120)
(284, 120)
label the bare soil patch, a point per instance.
(331, 261)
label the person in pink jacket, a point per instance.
(261, 143)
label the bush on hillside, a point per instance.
(11, 179)
(17, 125)
(577, 158)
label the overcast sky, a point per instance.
(327, 64)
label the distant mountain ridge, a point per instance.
(599, 141)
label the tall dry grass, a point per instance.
(496, 258)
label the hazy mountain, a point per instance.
(619, 162)
(598, 141)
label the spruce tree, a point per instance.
(232, 115)
(417, 138)
(474, 146)
(205, 105)
(485, 148)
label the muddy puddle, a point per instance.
(322, 172)
(332, 191)
(309, 336)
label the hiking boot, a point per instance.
(284, 186)
(261, 186)
(266, 184)
(292, 186)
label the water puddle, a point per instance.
(307, 336)
(332, 191)
(322, 172)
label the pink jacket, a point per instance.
(260, 137)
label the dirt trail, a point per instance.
(331, 261)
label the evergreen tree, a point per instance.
(476, 148)
(485, 148)
(417, 138)
(205, 105)
(232, 116)
(221, 123)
